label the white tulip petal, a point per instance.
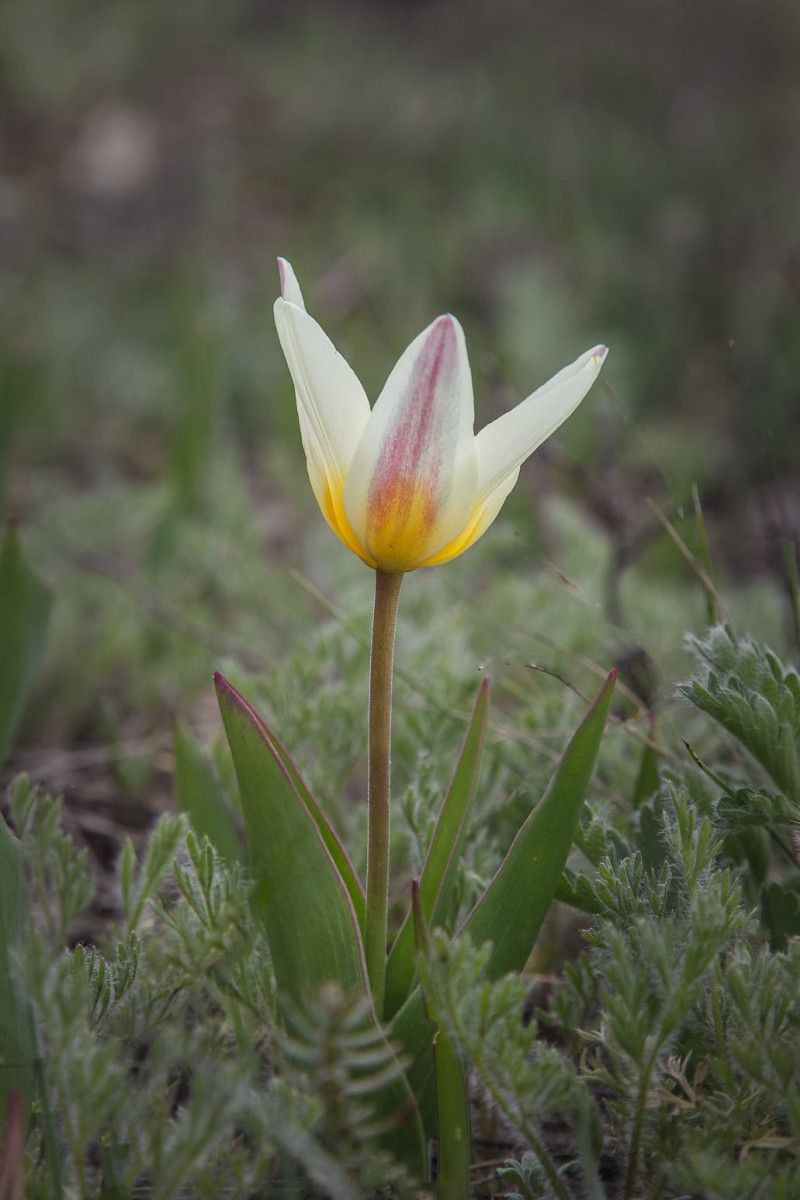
(505, 444)
(290, 288)
(412, 480)
(330, 399)
(332, 407)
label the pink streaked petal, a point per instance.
(505, 444)
(412, 479)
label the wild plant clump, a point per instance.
(665, 1061)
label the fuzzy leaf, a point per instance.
(437, 874)
(749, 692)
(308, 915)
(201, 798)
(25, 605)
(511, 911)
(17, 1044)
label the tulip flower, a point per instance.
(407, 483)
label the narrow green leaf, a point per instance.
(200, 796)
(308, 915)
(453, 1119)
(17, 1038)
(511, 911)
(436, 879)
(648, 780)
(25, 605)
(452, 1093)
(326, 830)
(414, 1031)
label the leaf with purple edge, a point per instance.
(326, 830)
(308, 916)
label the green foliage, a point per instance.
(16, 1030)
(299, 894)
(751, 694)
(513, 907)
(334, 1049)
(437, 877)
(25, 605)
(199, 795)
(669, 1055)
(748, 691)
(160, 1057)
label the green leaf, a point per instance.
(200, 796)
(326, 831)
(751, 694)
(648, 780)
(414, 1031)
(437, 875)
(25, 605)
(780, 912)
(452, 1092)
(308, 915)
(453, 1119)
(511, 911)
(17, 1039)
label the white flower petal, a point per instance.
(331, 402)
(290, 288)
(505, 443)
(411, 483)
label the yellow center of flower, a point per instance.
(401, 515)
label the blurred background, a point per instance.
(556, 174)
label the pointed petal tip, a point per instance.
(447, 326)
(599, 354)
(290, 288)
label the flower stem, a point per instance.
(384, 620)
